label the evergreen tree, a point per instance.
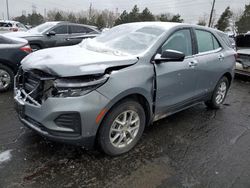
(134, 15)
(224, 20)
(176, 18)
(123, 18)
(146, 15)
(243, 25)
(58, 17)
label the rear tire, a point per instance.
(6, 78)
(122, 128)
(219, 94)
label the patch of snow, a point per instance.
(5, 156)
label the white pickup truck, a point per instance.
(243, 51)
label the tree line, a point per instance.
(228, 20)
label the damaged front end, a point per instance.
(35, 86)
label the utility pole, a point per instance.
(7, 6)
(90, 11)
(211, 14)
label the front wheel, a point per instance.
(122, 128)
(219, 94)
(6, 78)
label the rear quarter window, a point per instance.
(206, 41)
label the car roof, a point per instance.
(9, 21)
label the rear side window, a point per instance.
(179, 41)
(4, 24)
(206, 41)
(80, 29)
(62, 29)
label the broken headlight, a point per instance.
(75, 87)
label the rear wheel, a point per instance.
(219, 94)
(6, 78)
(122, 128)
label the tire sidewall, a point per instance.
(215, 104)
(11, 74)
(103, 137)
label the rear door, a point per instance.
(210, 57)
(78, 33)
(176, 81)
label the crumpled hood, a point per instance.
(22, 34)
(73, 61)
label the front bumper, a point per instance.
(41, 118)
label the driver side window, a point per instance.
(179, 41)
(63, 29)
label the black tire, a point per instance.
(104, 140)
(213, 103)
(35, 47)
(3, 85)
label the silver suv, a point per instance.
(106, 90)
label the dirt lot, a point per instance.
(194, 148)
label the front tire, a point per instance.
(122, 128)
(6, 78)
(219, 94)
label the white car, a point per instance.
(11, 26)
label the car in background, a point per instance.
(243, 51)
(107, 89)
(54, 34)
(11, 26)
(12, 51)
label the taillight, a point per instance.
(14, 29)
(26, 48)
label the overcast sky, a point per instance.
(190, 10)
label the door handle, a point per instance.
(193, 63)
(221, 57)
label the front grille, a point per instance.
(31, 84)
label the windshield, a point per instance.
(127, 39)
(43, 27)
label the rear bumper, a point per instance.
(239, 69)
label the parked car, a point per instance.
(12, 51)
(107, 89)
(11, 26)
(53, 34)
(243, 50)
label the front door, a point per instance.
(61, 36)
(176, 81)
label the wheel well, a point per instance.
(229, 77)
(142, 101)
(7, 65)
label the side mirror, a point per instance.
(169, 55)
(51, 33)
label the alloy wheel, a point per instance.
(124, 129)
